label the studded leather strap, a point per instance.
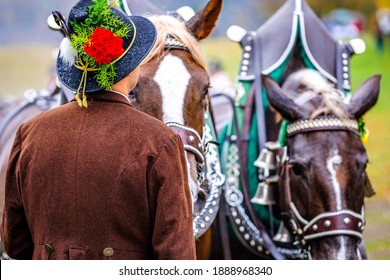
(191, 139)
(322, 124)
(343, 222)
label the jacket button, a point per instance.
(108, 252)
(49, 248)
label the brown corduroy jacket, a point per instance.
(106, 182)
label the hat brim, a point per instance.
(145, 38)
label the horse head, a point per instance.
(323, 178)
(173, 86)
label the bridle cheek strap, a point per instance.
(190, 138)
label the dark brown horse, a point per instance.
(323, 178)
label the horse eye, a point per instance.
(361, 165)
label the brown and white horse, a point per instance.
(173, 87)
(323, 179)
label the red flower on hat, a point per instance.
(104, 46)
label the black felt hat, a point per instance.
(137, 45)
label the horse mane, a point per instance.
(170, 26)
(308, 85)
(331, 103)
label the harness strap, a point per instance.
(343, 222)
(191, 139)
(322, 123)
(290, 219)
(243, 144)
(227, 255)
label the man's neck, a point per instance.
(120, 88)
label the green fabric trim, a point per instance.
(283, 133)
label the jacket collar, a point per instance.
(107, 96)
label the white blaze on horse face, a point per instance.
(342, 253)
(173, 78)
(334, 159)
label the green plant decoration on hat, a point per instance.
(98, 45)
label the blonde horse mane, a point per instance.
(168, 25)
(313, 85)
(331, 103)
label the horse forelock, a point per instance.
(170, 26)
(313, 86)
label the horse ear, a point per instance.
(203, 22)
(365, 97)
(281, 102)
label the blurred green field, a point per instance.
(23, 67)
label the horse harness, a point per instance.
(191, 140)
(341, 222)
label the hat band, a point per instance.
(82, 101)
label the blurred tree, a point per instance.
(383, 3)
(268, 7)
(321, 7)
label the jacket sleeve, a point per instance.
(15, 232)
(173, 236)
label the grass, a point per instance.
(23, 67)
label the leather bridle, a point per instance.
(341, 222)
(191, 140)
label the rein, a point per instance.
(341, 222)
